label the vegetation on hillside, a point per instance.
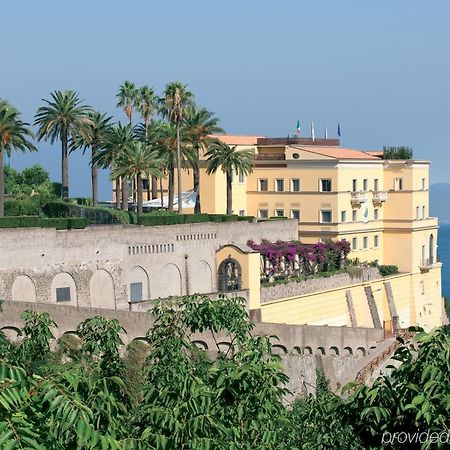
(172, 394)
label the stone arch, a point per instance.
(101, 288)
(320, 351)
(307, 351)
(334, 351)
(230, 275)
(23, 289)
(138, 284)
(348, 351)
(372, 348)
(11, 333)
(200, 277)
(202, 345)
(278, 349)
(63, 289)
(296, 350)
(170, 281)
(224, 346)
(361, 351)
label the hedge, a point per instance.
(153, 219)
(386, 270)
(36, 221)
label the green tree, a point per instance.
(14, 135)
(64, 117)
(401, 152)
(96, 140)
(134, 161)
(127, 96)
(200, 126)
(147, 105)
(121, 137)
(176, 99)
(229, 160)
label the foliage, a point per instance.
(386, 270)
(415, 396)
(401, 152)
(36, 221)
(447, 306)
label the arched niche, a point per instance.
(23, 289)
(101, 288)
(63, 289)
(201, 278)
(138, 284)
(170, 281)
(229, 275)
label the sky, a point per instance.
(381, 68)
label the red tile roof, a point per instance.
(337, 152)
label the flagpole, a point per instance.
(326, 131)
(313, 137)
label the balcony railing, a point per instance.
(427, 263)
(270, 157)
(358, 197)
(379, 196)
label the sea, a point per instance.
(444, 256)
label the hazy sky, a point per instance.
(379, 67)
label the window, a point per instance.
(376, 241)
(229, 275)
(376, 214)
(422, 288)
(145, 184)
(365, 184)
(263, 213)
(295, 185)
(242, 212)
(295, 214)
(325, 216)
(417, 213)
(354, 215)
(343, 216)
(365, 242)
(398, 184)
(135, 292)
(354, 185)
(355, 243)
(423, 213)
(279, 213)
(263, 185)
(63, 294)
(423, 184)
(325, 185)
(279, 185)
(241, 177)
(375, 184)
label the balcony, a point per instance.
(379, 196)
(426, 263)
(358, 197)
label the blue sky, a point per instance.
(381, 68)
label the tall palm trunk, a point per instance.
(64, 165)
(94, 180)
(161, 191)
(180, 202)
(2, 185)
(229, 194)
(197, 208)
(154, 187)
(171, 187)
(124, 194)
(118, 193)
(139, 194)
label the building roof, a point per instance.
(232, 139)
(337, 152)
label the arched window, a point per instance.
(230, 274)
(431, 249)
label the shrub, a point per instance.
(23, 207)
(60, 223)
(386, 270)
(397, 152)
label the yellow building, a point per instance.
(381, 207)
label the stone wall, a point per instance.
(99, 263)
(280, 291)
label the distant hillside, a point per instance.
(440, 201)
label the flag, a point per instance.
(339, 130)
(312, 131)
(299, 130)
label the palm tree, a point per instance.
(96, 140)
(146, 105)
(200, 125)
(229, 159)
(134, 161)
(127, 98)
(64, 117)
(121, 137)
(177, 98)
(14, 135)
